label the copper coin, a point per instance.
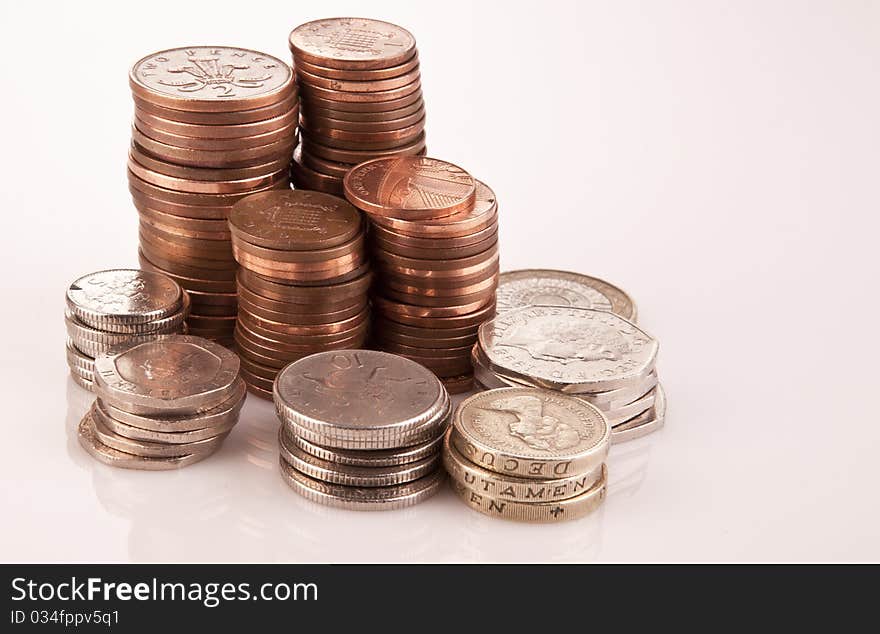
(193, 250)
(310, 260)
(452, 355)
(358, 75)
(199, 212)
(298, 342)
(457, 267)
(341, 291)
(434, 253)
(328, 126)
(317, 270)
(195, 234)
(352, 43)
(410, 187)
(259, 370)
(194, 239)
(306, 178)
(385, 234)
(428, 317)
(442, 279)
(211, 131)
(285, 134)
(261, 324)
(453, 293)
(180, 267)
(274, 361)
(190, 198)
(211, 79)
(359, 156)
(220, 118)
(434, 342)
(188, 256)
(215, 158)
(383, 324)
(314, 111)
(205, 322)
(296, 220)
(440, 367)
(202, 299)
(388, 140)
(204, 173)
(255, 381)
(307, 102)
(461, 302)
(188, 282)
(311, 318)
(215, 310)
(202, 186)
(327, 304)
(305, 78)
(272, 348)
(170, 222)
(377, 97)
(458, 384)
(484, 213)
(323, 166)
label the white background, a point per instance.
(717, 160)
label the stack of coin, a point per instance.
(303, 283)
(434, 243)
(548, 287)
(107, 308)
(595, 355)
(163, 403)
(528, 454)
(360, 97)
(361, 429)
(211, 125)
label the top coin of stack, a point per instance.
(212, 124)
(361, 429)
(595, 355)
(528, 454)
(107, 308)
(360, 97)
(435, 251)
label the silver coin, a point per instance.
(360, 399)
(556, 511)
(611, 399)
(170, 374)
(623, 413)
(531, 433)
(643, 424)
(121, 297)
(115, 458)
(547, 287)
(104, 415)
(362, 498)
(150, 448)
(505, 487)
(83, 383)
(186, 427)
(353, 476)
(78, 329)
(374, 458)
(568, 349)
(77, 359)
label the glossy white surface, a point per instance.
(719, 161)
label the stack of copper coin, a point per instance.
(360, 98)
(211, 125)
(361, 429)
(303, 283)
(108, 308)
(435, 250)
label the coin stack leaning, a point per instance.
(528, 454)
(163, 403)
(434, 243)
(360, 97)
(361, 429)
(107, 308)
(595, 355)
(211, 125)
(303, 282)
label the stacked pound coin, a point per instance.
(361, 429)
(434, 243)
(211, 125)
(528, 454)
(107, 308)
(303, 280)
(595, 355)
(360, 98)
(162, 404)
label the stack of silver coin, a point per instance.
(595, 355)
(107, 308)
(361, 429)
(528, 455)
(162, 404)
